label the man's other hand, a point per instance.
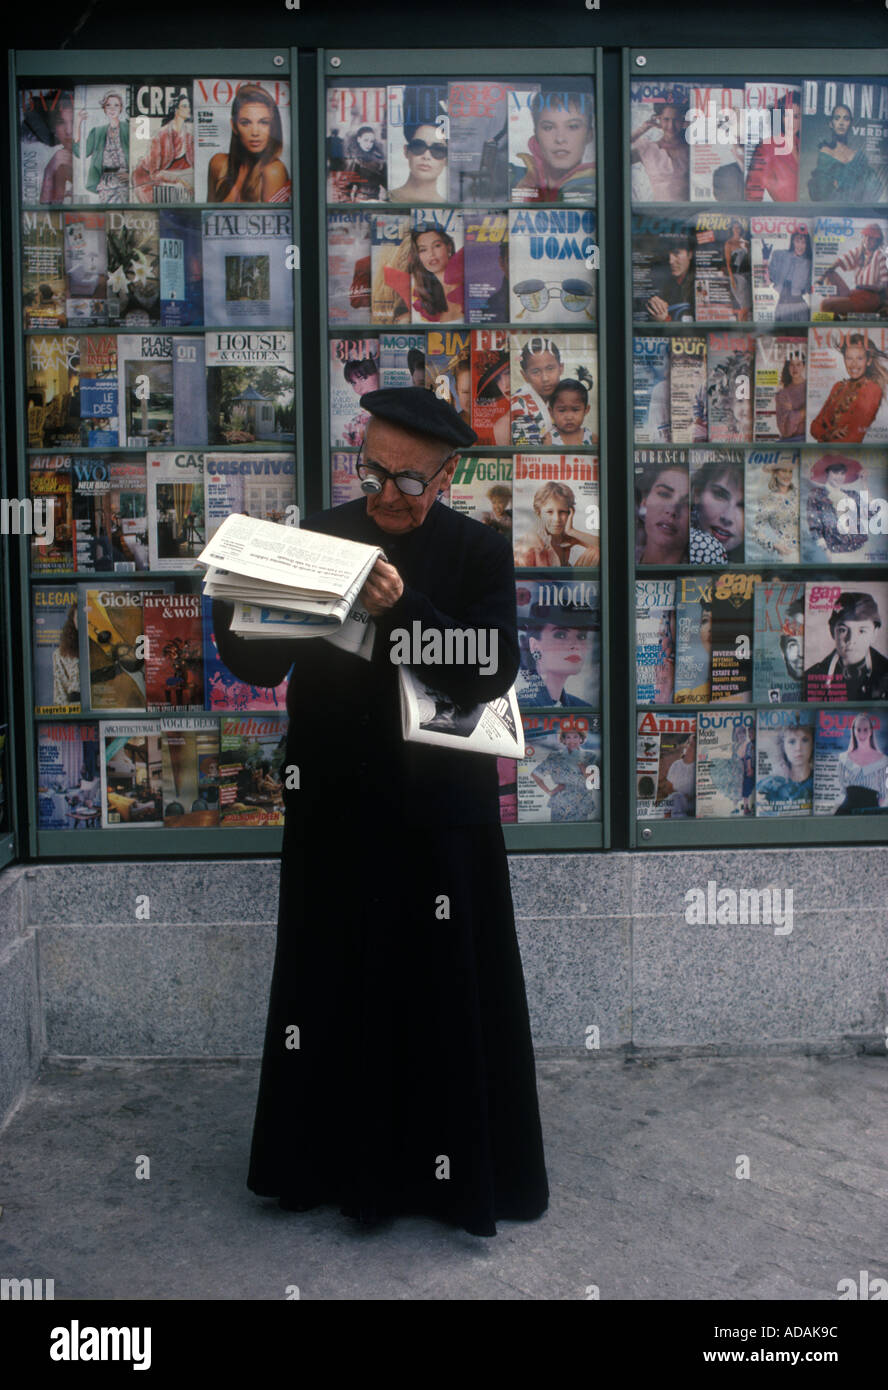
(382, 588)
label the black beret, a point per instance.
(415, 408)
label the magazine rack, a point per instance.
(53, 68)
(344, 67)
(717, 68)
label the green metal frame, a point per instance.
(378, 63)
(8, 837)
(51, 65)
(771, 831)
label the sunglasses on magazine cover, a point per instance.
(438, 150)
(575, 295)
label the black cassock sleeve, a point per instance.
(257, 663)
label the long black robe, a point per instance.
(413, 1086)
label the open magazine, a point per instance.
(268, 564)
(430, 716)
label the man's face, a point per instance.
(853, 641)
(793, 659)
(679, 261)
(403, 451)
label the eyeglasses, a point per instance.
(374, 478)
(437, 151)
(534, 295)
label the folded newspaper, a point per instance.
(285, 581)
(430, 716)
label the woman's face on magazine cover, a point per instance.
(720, 510)
(840, 120)
(433, 251)
(796, 371)
(855, 360)
(543, 373)
(798, 744)
(573, 740)
(423, 166)
(863, 731)
(706, 629)
(666, 507)
(800, 243)
(562, 136)
(253, 125)
(562, 650)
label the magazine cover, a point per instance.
(242, 140)
(778, 646)
(507, 773)
(44, 288)
(554, 389)
(725, 764)
(846, 640)
(357, 161)
(161, 142)
(491, 406)
(250, 388)
(659, 152)
(255, 484)
(69, 792)
(730, 370)
(449, 369)
(782, 269)
(553, 263)
(557, 515)
(693, 639)
(687, 389)
(56, 649)
(716, 138)
(246, 276)
(132, 773)
(559, 777)
(487, 267)
(432, 280)
(722, 267)
(189, 390)
(190, 771)
(666, 766)
(732, 638)
(654, 641)
(847, 380)
(482, 488)
(650, 390)
(174, 673)
(390, 251)
(86, 269)
(781, 377)
(772, 506)
(662, 500)
(110, 515)
(177, 522)
(662, 269)
(478, 148)
(345, 485)
(717, 506)
(145, 390)
(552, 141)
(180, 243)
(417, 142)
(844, 141)
(402, 359)
(224, 691)
(53, 368)
(559, 631)
(46, 134)
(348, 267)
(112, 649)
(784, 750)
(850, 763)
(850, 268)
(133, 249)
(354, 370)
(52, 546)
(101, 145)
(99, 425)
(773, 141)
(844, 507)
(251, 771)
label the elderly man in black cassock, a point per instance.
(412, 1088)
